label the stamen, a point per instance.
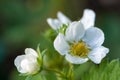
(79, 49)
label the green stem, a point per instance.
(63, 76)
(70, 73)
(58, 73)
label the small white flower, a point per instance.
(82, 41)
(27, 63)
(57, 23)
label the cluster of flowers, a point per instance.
(79, 41)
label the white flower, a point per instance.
(57, 23)
(82, 41)
(27, 63)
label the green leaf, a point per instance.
(23, 74)
(36, 77)
(28, 77)
(39, 52)
(104, 71)
(39, 59)
(43, 52)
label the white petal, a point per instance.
(54, 23)
(29, 66)
(75, 31)
(17, 63)
(63, 18)
(30, 51)
(75, 60)
(94, 37)
(97, 54)
(31, 58)
(88, 18)
(60, 44)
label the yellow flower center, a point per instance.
(79, 49)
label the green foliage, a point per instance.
(104, 71)
(36, 77)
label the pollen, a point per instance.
(79, 49)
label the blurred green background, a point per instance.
(23, 21)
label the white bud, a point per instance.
(27, 63)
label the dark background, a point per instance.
(23, 21)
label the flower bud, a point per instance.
(27, 64)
